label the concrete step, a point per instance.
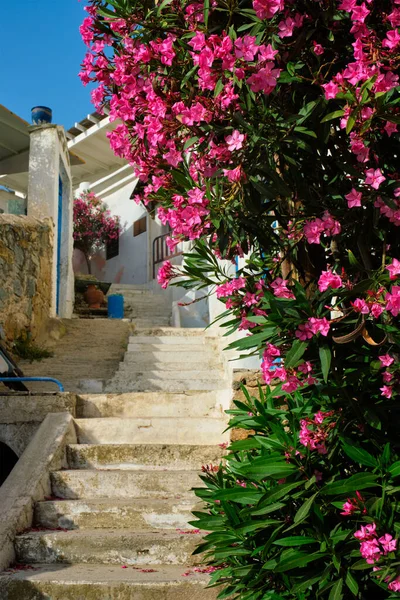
(148, 356)
(122, 383)
(107, 546)
(111, 582)
(141, 456)
(140, 372)
(154, 404)
(174, 331)
(154, 430)
(132, 365)
(144, 323)
(168, 339)
(171, 347)
(139, 514)
(86, 483)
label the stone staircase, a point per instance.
(145, 307)
(171, 360)
(116, 527)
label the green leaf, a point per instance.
(360, 481)
(300, 559)
(304, 510)
(295, 353)
(206, 11)
(295, 540)
(190, 142)
(394, 469)
(351, 583)
(360, 455)
(333, 115)
(278, 492)
(336, 591)
(218, 88)
(240, 495)
(325, 356)
(351, 122)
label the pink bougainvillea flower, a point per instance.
(366, 532)
(392, 39)
(371, 551)
(353, 198)
(374, 178)
(394, 268)
(360, 306)
(329, 280)
(388, 543)
(331, 90)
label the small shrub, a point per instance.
(28, 350)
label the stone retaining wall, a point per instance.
(26, 250)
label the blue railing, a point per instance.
(45, 379)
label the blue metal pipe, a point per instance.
(60, 385)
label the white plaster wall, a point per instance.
(132, 265)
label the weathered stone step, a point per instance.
(87, 483)
(142, 456)
(138, 514)
(122, 382)
(107, 546)
(154, 404)
(154, 430)
(181, 354)
(111, 582)
(140, 372)
(169, 340)
(174, 331)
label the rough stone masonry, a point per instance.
(26, 250)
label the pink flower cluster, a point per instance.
(313, 326)
(328, 279)
(230, 287)
(354, 505)
(372, 547)
(166, 273)
(188, 216)
(314, 432)
(327, 225)
(291, 379)
(393, 214)
(280, 289)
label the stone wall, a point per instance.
(26, 250)
(249, 378)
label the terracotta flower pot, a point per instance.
(94, 297)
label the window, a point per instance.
(112, 248)
(140, 226)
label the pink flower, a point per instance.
(390, 128)
(353, 198)
(360, 306)
(246, 47)
(366, 532)
(329, 280)
(374, 178)
(388, 543)
(394, 268)
(359, 13)
(165, 274)
(235, 141)
(280, 289)
(371, 551)
(393, 300)
(392, 40)
(331, 90)
(376, 310)
(318, 49)
(386, 360)
(266, 9)
(321, 326)
(387, 376)
(386, 391)
(234, 174)
(394, 586)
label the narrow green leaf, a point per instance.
(325, 356)
(360, 481)
(239, 495)
(218, 88)
(360, 455)
(351, 583)
(300, 559)
(295, 353)
(190, 142)
(295, 540)
(304, 510)
(394, 469)
(333, 115)
(336, 591)
(206, 11)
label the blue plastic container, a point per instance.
(115, 306)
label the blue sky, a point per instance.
(40, 55)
